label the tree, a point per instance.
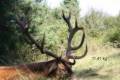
(11, 41)
(72, 5)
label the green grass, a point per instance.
(101, 63)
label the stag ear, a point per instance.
(52, 68)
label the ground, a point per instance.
(101, 63)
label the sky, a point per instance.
(110, 7)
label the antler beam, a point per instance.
(24, 28)
(72, 31)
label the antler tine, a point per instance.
(67, 19)
(42, 44)
(72, 32)
(69, 15)
(76, 23)
(43, 50)
(79, 57)
(81, 43)
(70, 37)
(24, 29)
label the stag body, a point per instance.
(58, 67)
(34, 71)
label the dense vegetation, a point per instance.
(101, 29)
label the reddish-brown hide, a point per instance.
(34, 71)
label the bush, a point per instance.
(113, 36)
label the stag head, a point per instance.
(63, 64)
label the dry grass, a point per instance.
(101, 63)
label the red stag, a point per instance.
(59, 67)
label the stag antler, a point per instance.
(24, 28)
(72, 30)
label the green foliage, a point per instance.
(8, 35)
(112, 35)
(56, 13)
(102, 27)
(11, 39)
(94, 21)
(71, 5)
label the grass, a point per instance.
(101, 63)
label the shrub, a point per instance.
(113, 36)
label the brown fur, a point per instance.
(33, 71)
